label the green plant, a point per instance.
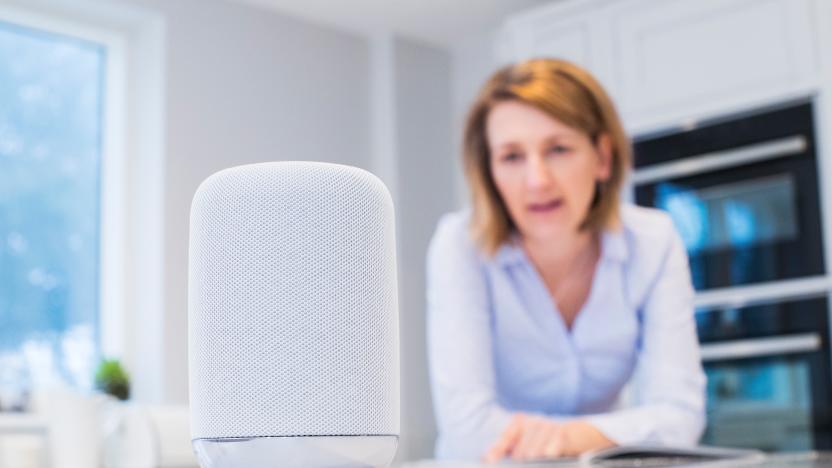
(112, 379)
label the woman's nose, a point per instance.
(537, 173)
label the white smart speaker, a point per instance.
(293, 318)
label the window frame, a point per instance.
(131, 228)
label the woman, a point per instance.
(547, 294)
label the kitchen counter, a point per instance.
(778, 460)
(22, 423)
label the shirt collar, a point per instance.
(613, 247)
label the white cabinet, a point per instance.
(666, 61)
(680, 57)
(570, 31)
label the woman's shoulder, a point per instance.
(452, 235)
(644, 224)
(649, 235)
(454, 223)
(650, 238)
(452, 253)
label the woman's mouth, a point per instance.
(545, 207)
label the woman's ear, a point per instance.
(603, 145)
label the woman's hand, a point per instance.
(530, 437)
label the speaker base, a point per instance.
(297, 452)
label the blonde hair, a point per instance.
(571, 95)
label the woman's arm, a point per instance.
(459, 345)
(671, 388)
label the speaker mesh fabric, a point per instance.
(293, 314)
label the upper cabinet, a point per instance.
(667, 61)
(569, 31)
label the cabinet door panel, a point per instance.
(574, 31)
(677, 54)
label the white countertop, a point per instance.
(22, 423)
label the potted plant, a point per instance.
(112, 379)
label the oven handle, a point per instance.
(718, 160)
(759, 347)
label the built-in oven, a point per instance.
(743, 193)
(768, 370)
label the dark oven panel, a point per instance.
(768, 375)
(743, 194)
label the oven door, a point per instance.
(747, 214)
(768, 376)
(764, 401)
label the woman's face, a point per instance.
(544, 170)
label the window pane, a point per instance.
(50, 149)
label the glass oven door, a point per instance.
(747, 209)
(768, 376)
(761, 402)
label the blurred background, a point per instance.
(113, 111)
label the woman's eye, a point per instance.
(558, 149)
(511, 157)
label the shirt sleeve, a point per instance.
(462, 376)
(671, 384)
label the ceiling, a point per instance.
(442, 23)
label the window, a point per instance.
(51, 127)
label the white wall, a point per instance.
(425, 161)
(473, 61)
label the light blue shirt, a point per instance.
(497, 343)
